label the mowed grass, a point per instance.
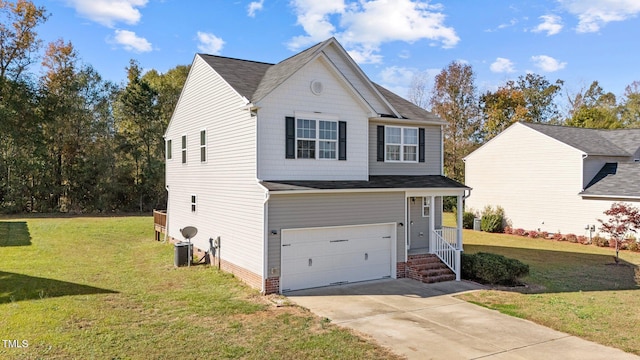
(571, 287)
(102, 288)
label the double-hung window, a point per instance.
(203, 145)
(401, 144)
(184, 149)
(316, 139)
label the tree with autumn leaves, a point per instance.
(623, 219)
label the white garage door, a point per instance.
(315, 257)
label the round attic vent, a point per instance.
(316, 87)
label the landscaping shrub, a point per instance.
(508, 230)
(519, 232)
(557, 236)
(533, 234)
(467, 219)
(492, 219)
(600, 241)
(544, 235)
(572, 238)
(583, 239)
(488, 268)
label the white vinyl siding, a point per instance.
(230, 202)
(536, 179)
(433, 153)
(336, 103)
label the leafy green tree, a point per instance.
(594, 108)
(539, 95)
(630, 106)
(140, 130)
(454, 99)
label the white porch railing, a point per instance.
(447, 251)
(450, 235)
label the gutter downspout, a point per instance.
(265, 243)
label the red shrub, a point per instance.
(519, 232)
(557, 236)
(583, 239)
(571, 238)
(508, 230)
(533, 234)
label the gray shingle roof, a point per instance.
(616, 180)
(254, 80)
(591, 141)
(375, 182)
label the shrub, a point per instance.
(533, 234)
(544, 235)
(600, 241)
(633, 245)
(492, 219)
(508, 230)
(571, 238)
(519, 232)
(583, 239)
(557, 236)
(491, 268)
(467, 219)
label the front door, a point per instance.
(419, 212)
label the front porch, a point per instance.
(432, 250)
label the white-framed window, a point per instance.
(426, 206)
(184, 149)
(194, 203)
(316, 139)
(169, 149)
(401, 144)
(203, 145)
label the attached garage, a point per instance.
(321, 256)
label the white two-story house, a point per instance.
(307, 172)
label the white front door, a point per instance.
(313, 257)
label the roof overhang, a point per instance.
(401, 121)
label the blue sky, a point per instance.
(577, 41)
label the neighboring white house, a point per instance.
(307, 172)
(555, 178)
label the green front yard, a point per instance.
(571, 287)
(102, 288)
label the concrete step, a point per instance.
(428, 268)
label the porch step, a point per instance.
(428, 268)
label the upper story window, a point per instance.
(184, 149)
(316, 139)
(401, 144)
(169, 150)
(203, 145)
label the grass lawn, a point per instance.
(102, 288)
(571, 287)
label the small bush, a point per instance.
(492, 220)
(600, 241)
(544, 235)
(519, 232)
(583, 239)
(633, 245)
(467, 219)
(533, 234)
(572, 238)
(488, 268)
(508, 230)
(557, 236)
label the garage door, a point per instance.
(315, 257)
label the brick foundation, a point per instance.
(272, 285)
(401, 270)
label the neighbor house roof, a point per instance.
(254, 80)
(374, 182)
(616, 180)
(620, 142)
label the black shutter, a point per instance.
(421, 144)
(291, 137)
(342, 140)
(380, 143)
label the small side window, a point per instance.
(203, 145)
(169, 152)
(426, 206)
(193, 203)
(184, 149)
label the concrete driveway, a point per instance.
(425, 321)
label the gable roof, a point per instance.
(615, 180)
(254, 80)
(592, 141)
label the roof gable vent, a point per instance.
(316, 87)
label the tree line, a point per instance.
(71, 141)
(474, 118)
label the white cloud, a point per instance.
(109, 12)
(363, 26)
(254, 7)
(209, 43)
(132, 42)
(594, 14)
(551, 24)
(502, 65)
(547, 63)
(397, 75)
